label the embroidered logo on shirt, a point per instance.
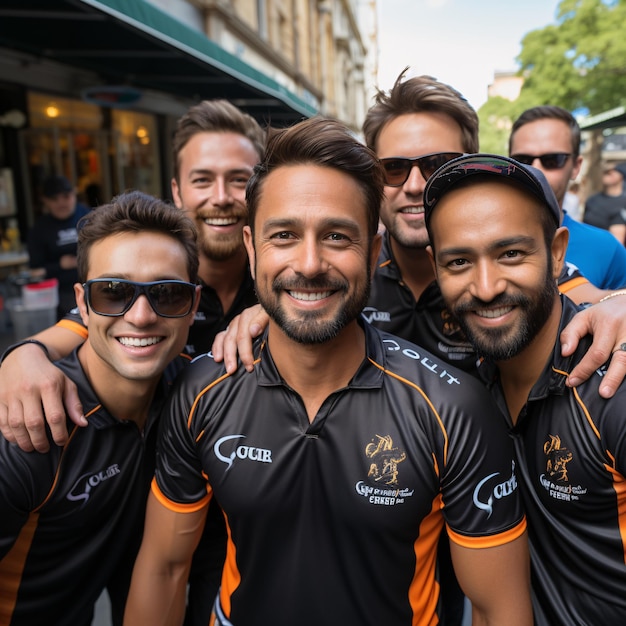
(384, 459)
(556, 478)
(374, 315)
(82, 488)
(261, 455)
(492, 487)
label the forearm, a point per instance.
(156, 597)
(59, 341)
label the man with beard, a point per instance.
(215, 149)
(339, 459)
(497, 248)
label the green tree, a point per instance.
(579, 62)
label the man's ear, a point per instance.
(558, 249)
(81, 303)
(377, 243)
(176, 194)
(431, 256)
(249, 244)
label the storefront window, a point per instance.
(136, 159)
(65, 137)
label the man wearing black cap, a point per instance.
(607, 209)
(52, 240)
(497, 270)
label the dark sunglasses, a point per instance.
(551, 161)
(114, 297)
(397, 169)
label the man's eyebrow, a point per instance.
(331, 223)
(507, 242)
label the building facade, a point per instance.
(91, 89)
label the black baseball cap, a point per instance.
(621, 168)
(54, 185)
(453, 172)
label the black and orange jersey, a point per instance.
(571, 450)
(72, 518)
(337, 521)
(427, 321)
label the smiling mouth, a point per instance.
(309, 296)
(139, 342)
(220, 221)
(492, 313)
(412, 210)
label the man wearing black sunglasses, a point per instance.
(72, 517)
(215, 149)
(548, 137)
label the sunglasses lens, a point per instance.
(549, 161)
(525, 159)
(396, 171)
(171, 299)
(430, 164)
(110, 297)
(553, 161)
(167, 298)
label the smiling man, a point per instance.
(497, 249)
(73, 516)
(339, 459)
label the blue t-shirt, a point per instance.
(597, 253)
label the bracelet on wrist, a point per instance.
(620, 292)
(24, 342)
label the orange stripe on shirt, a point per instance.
(231, 576)
(424, 589)
(426, 398)
(75, 327)
(12, 568)
(571, 284)
(490, 541)
(179, 507)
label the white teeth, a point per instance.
(494, 312)
(302, 295)
(136, 342)
(220, 221)
(413, 210)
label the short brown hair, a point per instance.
(327, 143)
(135, 211)
(549, 112)
(416, 95)
(215, 116)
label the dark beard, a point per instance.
(309, 329)
(495, 344)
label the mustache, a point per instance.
(318, 283)
(503, 300)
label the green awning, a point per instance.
(134, 43)
(612, 118)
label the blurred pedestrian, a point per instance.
(571, 202)
(53, 238)
(607, 209)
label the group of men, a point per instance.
(337, 464)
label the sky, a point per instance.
(459, 42)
